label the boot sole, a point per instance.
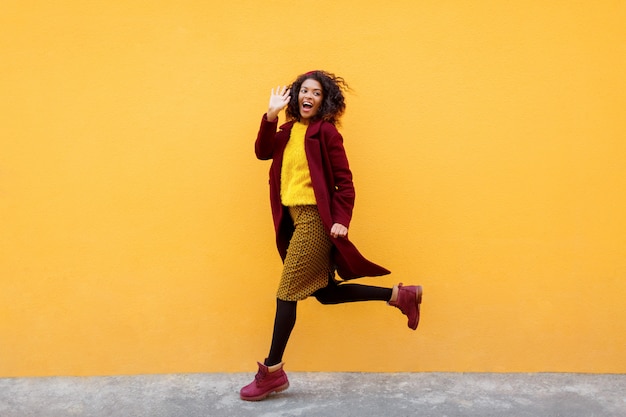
(264, 396)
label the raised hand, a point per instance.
(278, 101)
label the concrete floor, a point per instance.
(319, 395)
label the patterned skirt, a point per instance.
(307, 266)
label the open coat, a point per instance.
(332, 185)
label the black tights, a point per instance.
(334, 293)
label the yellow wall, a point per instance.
(487, 140)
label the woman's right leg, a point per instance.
(284, 322)
(271, 377)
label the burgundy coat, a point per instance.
(332, 186)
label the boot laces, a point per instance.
(260, 376)
(401, 305)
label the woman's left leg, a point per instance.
(405, 298)
(349, 293)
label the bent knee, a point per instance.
(323, 297)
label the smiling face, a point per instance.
(310, 99)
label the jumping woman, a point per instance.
(312, 198)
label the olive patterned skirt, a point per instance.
(307, 266)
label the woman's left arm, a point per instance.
(343, 196)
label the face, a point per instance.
(309, 99)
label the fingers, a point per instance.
(279, 98)
(280, 91)
(338, 230)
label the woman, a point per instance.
(312, 197)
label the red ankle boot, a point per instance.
(408, 301)
(265, 383)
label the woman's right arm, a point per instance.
(264, 145)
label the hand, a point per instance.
(278, 101)
(338, 230)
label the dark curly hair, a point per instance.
(333, 104)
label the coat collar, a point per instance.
(312, 130)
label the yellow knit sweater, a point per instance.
(296, 188)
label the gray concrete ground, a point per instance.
(319, 395)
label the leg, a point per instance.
(335, 293)
(283, 325)
(406, 298)
(271, 377)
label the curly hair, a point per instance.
(333, 104)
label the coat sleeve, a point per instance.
(266, 139)
(343, 193)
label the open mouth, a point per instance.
(307, 105)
